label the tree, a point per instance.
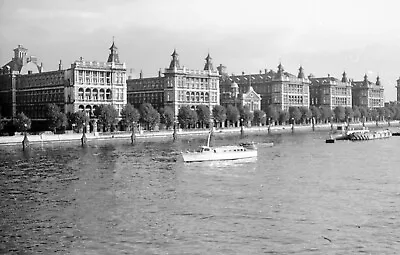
(374, 114)
(272, 113)
(283, 116)
(364, 112)
(187, 117)
(149, 116)
(79, 118)
(356, 113)
(129, 115)
(219, 114)
(305, 114)
(340, 114)
(167, 116)
(22, 122)
(389, 113)
(232, 113)
(326, 113)
(259, 117)
(294, 113)
(245, 114)
(381, 112)
(315, 113)
(55, 118)
(107, 116)
(1, 124)
(349, 113)
(203, 115)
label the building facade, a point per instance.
(20, 64)
(280, 89)
(176, 87)
(83, 86)
(368, 94)
(331, 92)
(92, 83)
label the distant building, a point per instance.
(230, 95)
(398, 91)
(84, 86)
(368, 94)
(20, 64)
(331, 92)
(176, 87)
(280, 89)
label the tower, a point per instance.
(301, 73)
(208, 65)
(113, 57)
(175, 60)
(344, 77)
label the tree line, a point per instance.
(202, 117)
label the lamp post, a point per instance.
(175, 132)
(133, 136)
(269, 125)
(313, 123)
(292, 124)
(84, 139)
(241, 127)
(25, 142)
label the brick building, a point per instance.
(368, 94)
(177, 86)
(330, 91)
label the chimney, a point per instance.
(242, 73)
(159, 73)
(265, 70)
(60, 67)
(141, 74)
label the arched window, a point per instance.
(101, 95)
(206, 97)
(88, 110)
(95, 94)
(108, 94)
(202, 97)
(87, 94)
(80, 94)
(192, 98)
(197, 96)
(187, 96)
(81, 108)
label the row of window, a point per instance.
(38, 96)
(89, 109)
(36, 81)
(89, 94)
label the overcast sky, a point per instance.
(324, 36)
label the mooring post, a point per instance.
(25, 142)
(175, 133)
(83, 139)
(133, 136)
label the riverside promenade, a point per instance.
(168, 134)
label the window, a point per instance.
(87, 94)
(80, 94)
(108, 94)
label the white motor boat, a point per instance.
(208, 153)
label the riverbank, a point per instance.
(147, 135)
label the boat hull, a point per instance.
(212, 156)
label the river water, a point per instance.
(301, 196)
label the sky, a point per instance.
(324, 36)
